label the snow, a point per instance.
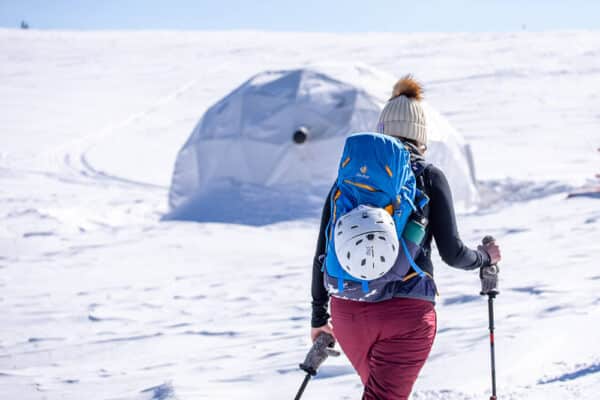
(101, 300)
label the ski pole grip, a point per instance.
(487, 240)
(318, 353)
(489, 275)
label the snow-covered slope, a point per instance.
(100, 300)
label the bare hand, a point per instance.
(493, 251)
(327, 328)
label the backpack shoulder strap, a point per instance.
(417, 164)
(331, 198)
(419, 167)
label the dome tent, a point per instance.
(269, 150)
(241, 162)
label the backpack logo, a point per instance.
(363, 172)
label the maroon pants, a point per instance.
(386, 342)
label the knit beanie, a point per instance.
(403, 115)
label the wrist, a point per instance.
(319, 322)
(486, 259)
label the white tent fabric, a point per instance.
(240, 163)
(448, 150)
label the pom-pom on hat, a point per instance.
(403, 115)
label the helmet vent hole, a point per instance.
(381, 237)
(348, 255)
(348, 268)
(379, 222)
(354, 227)
(382, 258)
(363, 262)
(340, 232)
(358, 242)
(370, 236)
(393, 248)
(364, 277)
(365, 216)
(381, 273)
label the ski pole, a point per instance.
(491, 292)
(318, 353)
(492, 352)
(303, 386)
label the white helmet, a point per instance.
(366, 242)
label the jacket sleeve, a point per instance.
(320, 297)
(443, 226)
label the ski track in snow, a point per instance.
(100, 300)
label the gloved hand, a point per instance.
(315, 332)
(492, 249)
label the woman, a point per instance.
(388, 341)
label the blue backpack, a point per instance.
(375, 170)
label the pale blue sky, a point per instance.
(305, 15)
